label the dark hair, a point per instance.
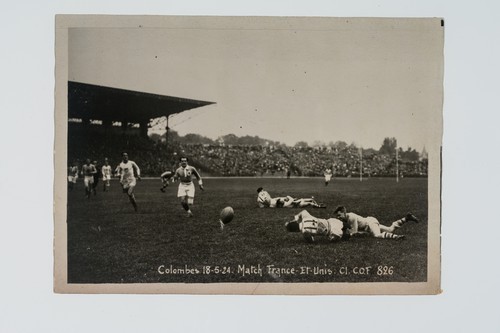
(339, 209)
(259, 189)
(292, 226)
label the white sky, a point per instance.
(346, 83)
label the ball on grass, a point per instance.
(227, 215)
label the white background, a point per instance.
(470, 229)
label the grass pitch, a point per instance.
(109, 243)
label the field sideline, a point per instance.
(109, 243)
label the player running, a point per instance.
(106, 175)
(72, 176)
(186, 187)
(311, 227)
(165, 177)
(264, 200)
(328, 175)
(359, 225)
(127, 170)
(96, 177)
(88, 171)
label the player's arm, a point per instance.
(353, 224)
(137, 170)
(118, 171)
(198, 177)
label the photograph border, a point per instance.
(61, 285)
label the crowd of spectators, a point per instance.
(241, 160)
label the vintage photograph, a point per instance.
(248, 155)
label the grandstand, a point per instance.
(104, 121)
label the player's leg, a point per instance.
(190, 201)
(399, 223)
(308, 202)
(375, 230)
(86, 182)
(131, 196)
(182, 194)
(70, 183)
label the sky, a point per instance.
(326, 81)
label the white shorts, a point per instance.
(335, 229)
(328, 178)
(88, 180)
(185, 190)
(72, 179)
(106, 177)
(373, 225)
(128, 182)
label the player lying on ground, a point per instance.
(165, 177)
(359, 225)
(264, 200)
(311, 227)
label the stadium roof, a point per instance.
(107, 103)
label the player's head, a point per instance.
(125, 157)
(87, 161)
(259, 189)
(340, 212)
(106, 160)
(183, 161)
(264, 198)
(94, 162)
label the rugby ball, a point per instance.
(226, 215)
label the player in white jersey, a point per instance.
(360, 225)
(88, 171)
(72, 176)
(328, 175)
(165, 177)
(128, 170)
(264, 199)
(106, 175)
(311, 227)
(186, 191)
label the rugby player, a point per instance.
(311, 227)
(264, 199)
(328, 175)
(165, 177)
(88, 171)
(360, 225)
(106, 175)
(72, 175)
(96, 178)
(186, 190)
(127, 170)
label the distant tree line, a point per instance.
(388, 146)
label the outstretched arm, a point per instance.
(198, 177)
(137, 170)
